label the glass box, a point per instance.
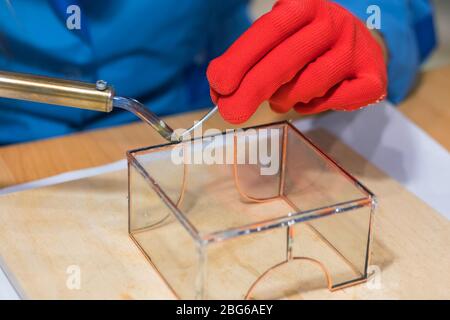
(221, 217)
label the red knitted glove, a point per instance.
(311, 55)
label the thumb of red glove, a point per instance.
(311, 55)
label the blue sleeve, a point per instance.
(155, 51)
(407, 27)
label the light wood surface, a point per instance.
(84, 223)
(429, 105)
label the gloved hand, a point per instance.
(310, 55)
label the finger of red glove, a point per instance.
(348, 95)
(314, 80)
(279, 66)
(214, 96)
(226, 72)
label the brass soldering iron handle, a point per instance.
(98, 97)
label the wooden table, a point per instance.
(411, 240)
(429, 105)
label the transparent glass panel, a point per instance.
(239, 212)
(164, 171)
(339, 242)
(215, 191)
(234, 265)
(312, 180)
(163, 239)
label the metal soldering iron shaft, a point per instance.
(153, 120)
(99, 97)
(146, 115)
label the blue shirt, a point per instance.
(156, 52)
(408, 30)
